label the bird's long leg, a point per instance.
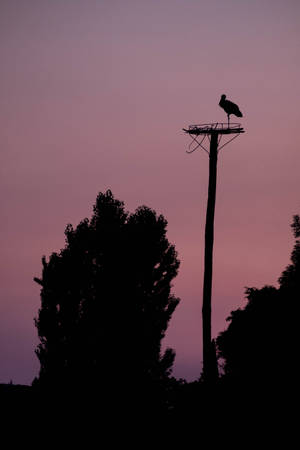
(228, 115)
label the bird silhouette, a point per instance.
(229, 107)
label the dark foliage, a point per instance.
(106, 302)
(261, 344)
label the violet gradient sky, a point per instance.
(94, 94)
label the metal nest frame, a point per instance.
(207, 129)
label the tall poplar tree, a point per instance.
(106, 301)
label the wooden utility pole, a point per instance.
(214, 132)
(210, 370)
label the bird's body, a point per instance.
(229, 107)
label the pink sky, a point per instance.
(94, 95)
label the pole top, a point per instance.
(211, 129)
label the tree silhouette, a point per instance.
(106, 302)
(260, 345)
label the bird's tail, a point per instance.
(239, 114)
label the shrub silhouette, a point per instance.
(106, 302)
(260, 345)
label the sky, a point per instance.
(94, 96)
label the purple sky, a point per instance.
(94, 95)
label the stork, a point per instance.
(229, 107)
